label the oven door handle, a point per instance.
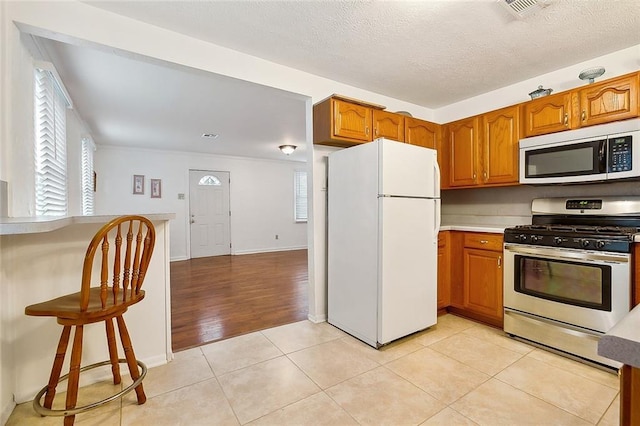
(580, 255)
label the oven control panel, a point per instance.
(583, 204)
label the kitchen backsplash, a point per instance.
(511, 205)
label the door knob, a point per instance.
(193, 221)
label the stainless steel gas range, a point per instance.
(567, 276)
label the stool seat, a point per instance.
(120, 252)
(68, 307)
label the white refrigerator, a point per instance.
(383, 222)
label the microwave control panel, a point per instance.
(620, 154)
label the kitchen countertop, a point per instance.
(493, 229)
(622, 342)
(34, 225)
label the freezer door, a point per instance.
(407, 170)
(408, 266)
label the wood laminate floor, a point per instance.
(215, 298)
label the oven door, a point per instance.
(582, 288)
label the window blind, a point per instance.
(300, 179)
(88, 182)
(51, 146)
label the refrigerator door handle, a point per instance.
(436, 183)
(437, 220)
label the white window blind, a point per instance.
(300, 184)
(88, 183)
(51, 145)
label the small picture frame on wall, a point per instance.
(156, 188)
(138, 184)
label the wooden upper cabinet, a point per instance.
(462, 140)
(338, 122)
(388, 125)
(500, 136)
(351, 121)
(548, 114)
(421, 133)
(611, 100)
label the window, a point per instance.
(88, 176)
(50, 144)
(300, 184)
(209, 180)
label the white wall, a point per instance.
(616, 63)
(261, 195)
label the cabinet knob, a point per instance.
(584, 115)
(474, 177)
(566, 119)
(483, 241)
(376, 131)
(499, 262)
(484, 175)
(366, 130)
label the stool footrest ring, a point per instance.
(37, 406)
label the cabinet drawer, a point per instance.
(483, 241)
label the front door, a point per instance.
(209, 213)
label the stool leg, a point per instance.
(74, 374)
(57, 366)
(113, 351)
(131, 358)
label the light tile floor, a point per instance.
(456, 373)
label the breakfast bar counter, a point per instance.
(42, 258)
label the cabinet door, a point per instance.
(351, 121)
(444, 291)
(483, 282)
(611, 100)
(388, 125)
(421, 133)
(463, 152)
(500, 135)
(547, 115)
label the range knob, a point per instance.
(535, 238)
(600, 244)
(585, 243)
(522, 238)
(557, 240)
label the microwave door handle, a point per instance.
(602, 157)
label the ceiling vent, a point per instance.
(523, 8)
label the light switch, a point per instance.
(180, 196)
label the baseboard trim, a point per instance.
(268, 250)
(6, 412)
(317, 318)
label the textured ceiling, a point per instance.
(431, 52)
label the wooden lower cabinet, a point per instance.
(629, 395)
(444, 279)
(476, 276)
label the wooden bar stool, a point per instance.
(122, 272)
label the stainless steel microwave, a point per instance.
(596, 153)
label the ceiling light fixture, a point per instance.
(210, 135)
(287, 149)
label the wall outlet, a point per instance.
(277, 236)
(180, 196)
